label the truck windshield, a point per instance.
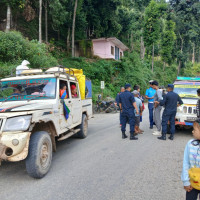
(27, 89)
(186, 91)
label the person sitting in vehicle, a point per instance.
(74, 91)
(38, 92)
(17, 90)
(63, 91)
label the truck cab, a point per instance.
(187, 87)
(34, 115)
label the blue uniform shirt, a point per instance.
(150, 93)
(170, 102)
(117, 98)
(127, 99)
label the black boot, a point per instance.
(124, 135)
(163, 137)
(132, 137)
(171, 137)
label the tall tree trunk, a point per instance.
(73, 27)
(193, 54)
(142, 48)
(68, 41)
(46, 21)
(153, 57)
(131, 41)
(179, 65)
(40, 21)
(8, 20)
(128, 39)
(164, 64)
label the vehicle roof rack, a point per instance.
(179, 78)
(61, 70)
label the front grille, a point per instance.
(190, 110)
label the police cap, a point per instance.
(127, 86)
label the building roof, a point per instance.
(114, 40)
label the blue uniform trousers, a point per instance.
(128, 116)
(120, 118)
(151, 106)
(171, 118)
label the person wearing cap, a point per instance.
(74, 91)
(137, 116)
(150, 96)
(157, 108)
(127, 106)
(171, 101)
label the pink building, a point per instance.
(108, 48)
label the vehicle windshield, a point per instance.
(186, 91)
(28, 89)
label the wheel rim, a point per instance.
(44, 155)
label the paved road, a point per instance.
(104, 167)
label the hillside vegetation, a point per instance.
(163, 38)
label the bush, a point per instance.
(6, 69)
(14, 48)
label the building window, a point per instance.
(112, 50)
(121, 55)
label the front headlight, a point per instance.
(180, 109)
(20, 123)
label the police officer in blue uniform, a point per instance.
(122, 89)
(171, 101)
(127, 105)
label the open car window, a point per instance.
(74, 90)
(63, 90)
(16, 90)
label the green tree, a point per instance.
(167, 42)
(152, 27)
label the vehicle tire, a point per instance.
(108, 110)
(39, 157)
(84, 127)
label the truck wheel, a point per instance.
(39, 157)
(84, 128)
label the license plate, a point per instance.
(192, 118)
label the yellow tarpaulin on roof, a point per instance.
(78, 73)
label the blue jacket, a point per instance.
(117, 98)
(170, 102)
(191, 159)
(127, 99)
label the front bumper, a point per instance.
(9, 150)
(182, 119)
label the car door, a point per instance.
(76, 103)
(63, 121)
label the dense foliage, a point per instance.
(163, 38)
